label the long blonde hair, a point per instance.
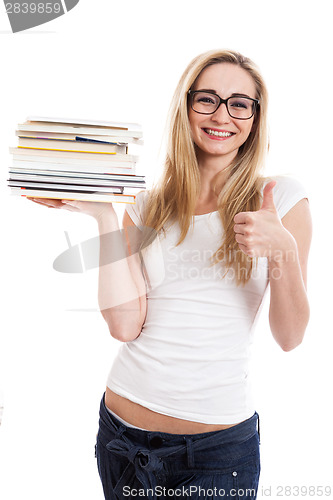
(174, 196)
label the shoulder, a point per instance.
(135, 210)
(140, 198)
(287, 192)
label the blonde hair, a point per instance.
(174, 196)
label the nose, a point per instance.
(221, 114)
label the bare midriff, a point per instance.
(141, 416)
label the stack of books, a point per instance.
(76, 159)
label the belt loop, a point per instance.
(121, 429)
(189, 450)
(258, 427)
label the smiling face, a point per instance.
(219, 135)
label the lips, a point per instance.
(218, 133)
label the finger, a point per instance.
(54, 203)
(268, 199)
(36, 200)
(240, 218)
(50, 202)
(42, 203)
(240, 228)
(72, 203)
(78, 206)
(246, 250)
(44, 200)
(240, 238)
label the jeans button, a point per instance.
(156, 441)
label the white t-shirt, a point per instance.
(191, 360)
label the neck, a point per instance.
(210, 166)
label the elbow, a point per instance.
(289, 347)
(123, 326)
(289, 336)
(124, 333)
(293, 340)
(123, 336)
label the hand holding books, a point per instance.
(97, 210)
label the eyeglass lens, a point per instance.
(238, 107)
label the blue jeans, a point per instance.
(218, 464)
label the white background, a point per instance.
(121, 60)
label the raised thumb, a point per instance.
(268, 200)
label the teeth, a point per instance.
(217, 134)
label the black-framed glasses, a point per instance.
(206, 103)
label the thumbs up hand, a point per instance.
(261, 233)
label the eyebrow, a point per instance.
(234, 94)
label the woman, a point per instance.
(177, 417)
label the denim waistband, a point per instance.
(138, 446)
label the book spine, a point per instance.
(36, 153)
(101, 168)
(80, 146)
(111, 198)
(43, 127)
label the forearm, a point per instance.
(289, 307)
(118, 293)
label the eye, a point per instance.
(209, 100)
(205, 98)
(241, 103)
